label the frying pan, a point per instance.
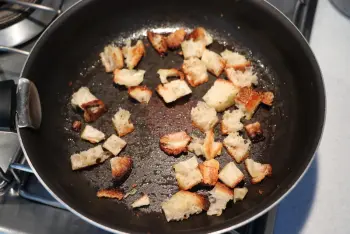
(66, 58)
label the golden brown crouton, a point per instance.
(231, 121)
(231, 175)
(112, 58)
(183, 204)
(200, 34)
(196, 71)
(175, 143)
(257, 170)
(120, 166)
(158, 42)
(204, 117)
(254, 132)
(76, 126)
(211, 149)
(187, 173)
(248, 101)
(175, 39)
(219, 196)
(172, 72)
(210, 171)
(133, 54)
(93, 110)
(122, 123)
(110, 193)
(140, 93)
(173, 90)
(237, 147)
(267, 98)
(214, 63)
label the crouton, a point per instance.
(112, 58)
(239, 194)
(114, 144)
(231, 175)
(140, 93)
(158, 42)
(231, 121)
(191, 48)
(120, 166)
(196, 146)
(200, 34)
(173, 90)
(142, 201)
(133, 54)
(175, 143)
(175, 39)
(235, 60)
(211, 149)
(110, 193)
(267, 98)
(122, 123)
(183, 204)
(187, 173)
(76, 126)
(93, 110)
(89, 157)
(242, 79)
(257, 170)
(210, 171)
(92, 135)
(248, 101)
(214, 63)
(237, 146)
(165, 73)
(204, 117)
(254, 132)
(221, 95)
(219, 196)
(81, 97)
(128, 78)
(196, 71)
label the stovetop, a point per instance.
(18, 212)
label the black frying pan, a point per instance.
(68, 53)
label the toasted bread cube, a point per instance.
(133, 54)
(165, 73)
(120, 166)
(158, 42)
(214, 63)
(175, 39)
(82, 96)
(219, 196)
(122, 123)
(239, 194)
(196, 71)
(142, 201)
(112, 58)
(254, 132)
(231, 121)
(267, 98)
(242, 79)
(196, 146)
(114, 144)
(183, 204)
(257, 170)
(191, 48)
(92, 135)
(204, 117)
(110, 193)
(173, 90)
(93, 110)
(129, 78)
(231, 175)
(237, 146)
(187, 173)
(235, 60)
(210, 171)
(200, 34)
(211, 149)
(88, 157)
(248, 101)
(175, 143)
(221, 95)
(141, 94)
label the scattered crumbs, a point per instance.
(260, 192)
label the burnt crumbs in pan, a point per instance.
(231, 74)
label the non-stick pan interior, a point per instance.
(67, 57)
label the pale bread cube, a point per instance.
(204, 117)
(142, 201)
(231, 121)
(172, 72)
(214, 63)
(241, 79)
(219, 196)
(231, 175)
(114, 144)
(133, 54)
(175, 143)
(235, 60)
(122, 123)
(88, 157)
(129, 78)
(187, 173)
(257, 171)
(173, 90)
(196, 71)
(196, 146)
(112, 58)
(191, 48)
(239, 194)
(140, 93)
(237, 146)
(92, 135)
(81, 97)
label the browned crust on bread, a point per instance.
(223, 188)
(188, 74)
(76, 126)
(200, 128)
(126, 130)
(266, 170)
(242, 67)
(161, 46)
(249, 98)
(267, 98)
(208, 147)
(93, 110)
(175, 39)
(166, 140)
(143, 88)
(197, 34)
(230, 152)
(223, 128)
(196, 83)
(110, 193)
(210, 171)
(121, 166)
(254, 132)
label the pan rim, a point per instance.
(265, 208)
